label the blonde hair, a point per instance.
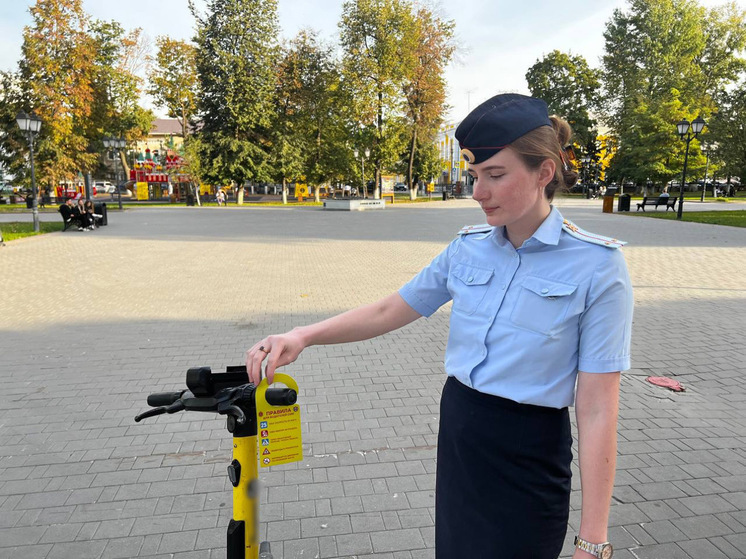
(544, 143)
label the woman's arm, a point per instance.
(362, 323)
(596, 410)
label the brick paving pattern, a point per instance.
(90, 323)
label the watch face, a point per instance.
(606, 552)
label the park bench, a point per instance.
(668, 201)
(385, 195)
(73, 221)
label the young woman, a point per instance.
(539, 307)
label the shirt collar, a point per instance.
(548, 232)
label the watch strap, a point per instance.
(594, 549)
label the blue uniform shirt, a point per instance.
(525, 320)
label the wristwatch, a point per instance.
(600, 550)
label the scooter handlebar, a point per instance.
(281, 396)
(163, 398)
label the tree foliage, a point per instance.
(377, 59)
(431, 45)
(174, 82)
(115, 108)
(665, 60)
(570, 87)
(312, 112)
(56, 71)
(236, 48)
(728, 131)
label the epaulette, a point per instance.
(469, 229)
(573, 230)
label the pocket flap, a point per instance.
(548, 288)
(471, 275)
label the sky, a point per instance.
(498, 40)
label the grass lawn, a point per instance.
(16, 230)
(734, 218)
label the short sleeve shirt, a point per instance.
(525, 321)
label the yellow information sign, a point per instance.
(278, 435)
(301, 189)
(142, 191)
(430, 187)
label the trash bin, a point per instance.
(100, 209)
(29, 202)
(445, 194)
(609, 195)
(190, 199)
(624, 202)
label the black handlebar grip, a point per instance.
(163, 398)
(281, 396)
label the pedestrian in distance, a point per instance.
(541, 320)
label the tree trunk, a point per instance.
(284, 190)
(410, 167)
(123, 159)
(377, 187)
(239, 195)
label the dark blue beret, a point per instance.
(498, 122)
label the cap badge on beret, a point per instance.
(467, 155)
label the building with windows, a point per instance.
(453, 167)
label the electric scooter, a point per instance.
(229, 394)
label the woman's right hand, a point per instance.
(279, 350)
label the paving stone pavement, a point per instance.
(90, 323)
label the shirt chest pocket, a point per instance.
(468, 286)
(542, 304)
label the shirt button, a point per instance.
(470, 279)
(545, 290)
(502, 286)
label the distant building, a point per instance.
(453, 166)
(165, 133)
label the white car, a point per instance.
(104, 187)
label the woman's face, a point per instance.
(509, 192)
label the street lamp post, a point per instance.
(116, 144)
(687, 131)
(31, 124)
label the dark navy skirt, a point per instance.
(503, 477)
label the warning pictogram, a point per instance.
(266, 451)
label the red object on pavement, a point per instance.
(666, 382)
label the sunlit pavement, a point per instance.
(90, 323)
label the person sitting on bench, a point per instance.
(95, 219)
(86, 220)
(68, 214)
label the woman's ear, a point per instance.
(546, 172)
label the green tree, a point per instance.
(13, 146)
(377, 61)
(173, 81)
(570, 87)
(431, 44)
(56, 70)
(311, 111)
(236, 55)
(728, 132)
(115, 108)
(664, 60)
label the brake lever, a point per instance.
(150, 413)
